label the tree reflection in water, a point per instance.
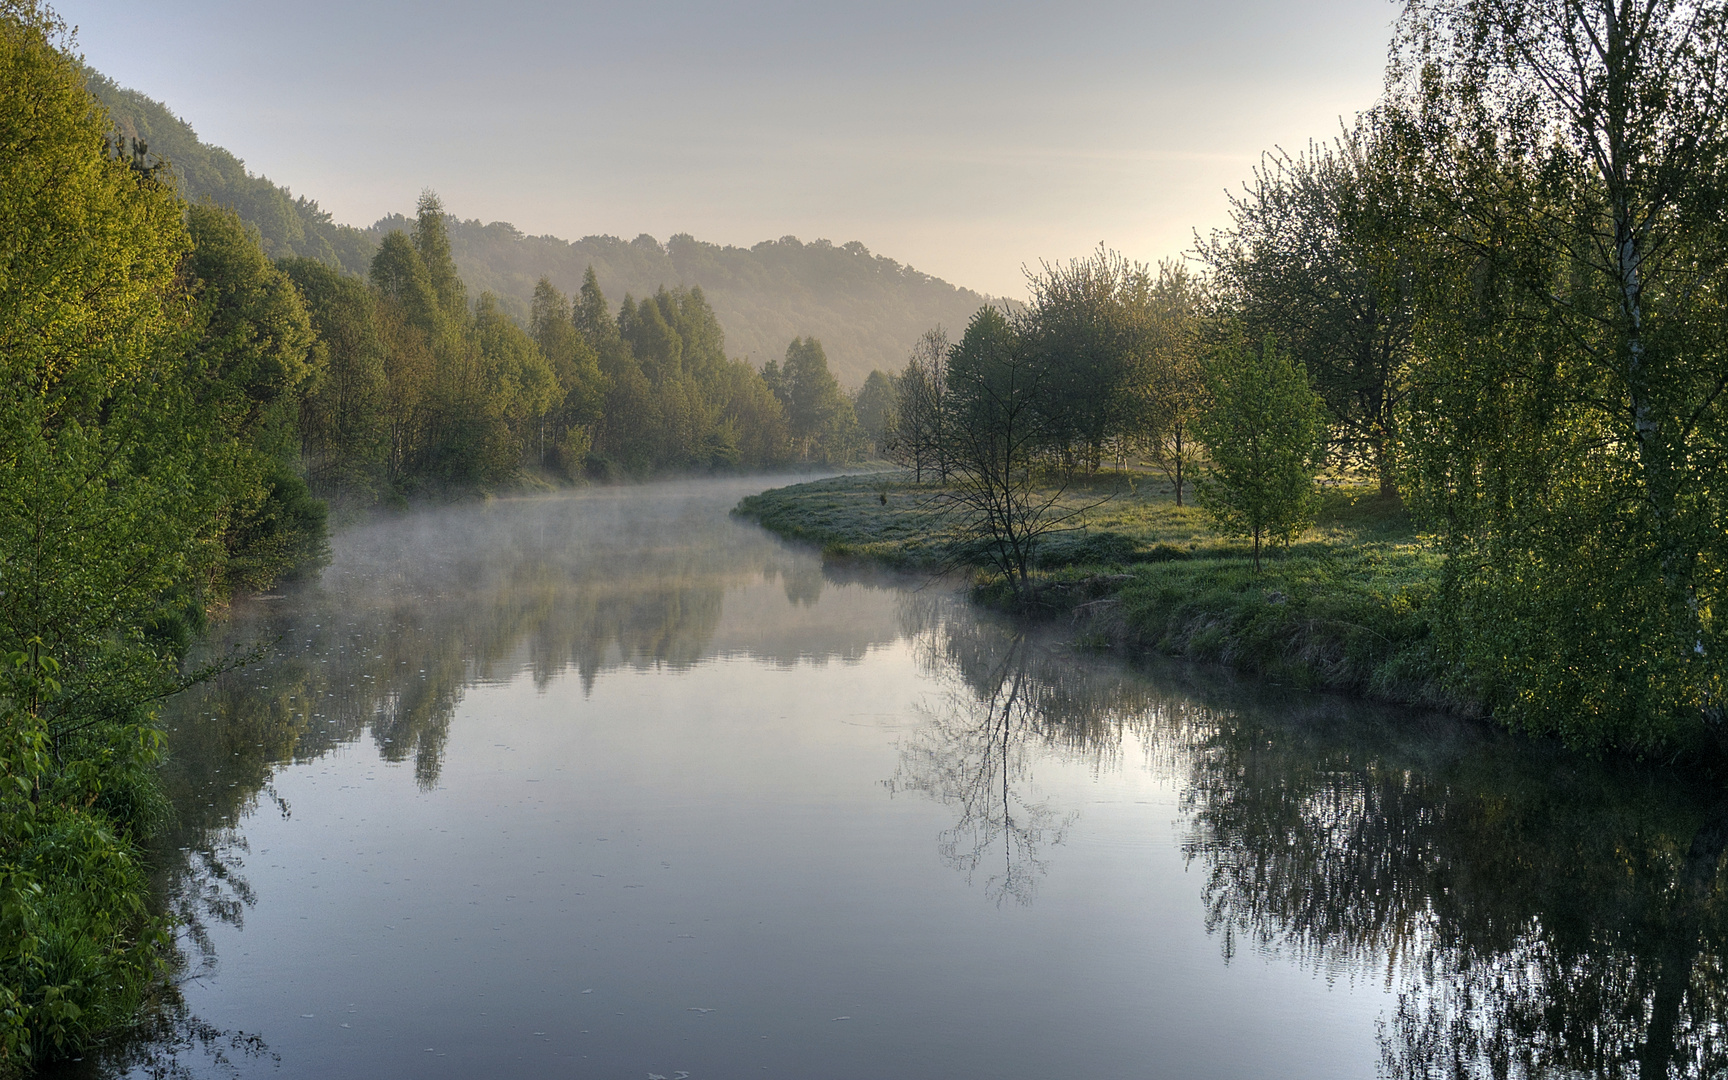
(1540, 915)
(971, 753)
(1009, 700)
(1537, 915)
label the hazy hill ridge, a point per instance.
(866, 309)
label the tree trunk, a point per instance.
(1178, 465)
(1673, 978)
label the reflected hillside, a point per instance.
(414, 610)
(1539, 915)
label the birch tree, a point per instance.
(1566, 425)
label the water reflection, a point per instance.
(1535, 915)
(1544, 916)
(972, 753)
(1538, 915)
(1010, 701)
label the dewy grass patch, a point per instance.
(1345, 607)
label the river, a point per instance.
(616, 785)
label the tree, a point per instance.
(1008, 475)
(1317, 255)
(820, 418)
(1567, 430)
(344, 435)
(919, 407)
(657, 346)
(1264, 429)
(431, 237)
(874, 407)
(110, 509)
(249, 351)
(517, 387)
(1173, 382)
(576, 366)
(1091, 325)
(407, 322)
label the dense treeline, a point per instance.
(1505, 283)
(867, 308)
(421, 390)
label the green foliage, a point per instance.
(575, 416)
(673, 400)
(1092, 327)
(1171, 391)
(1318, 256)
(875, 407)
(1265, 430)
(249, 351)
(1006, 431)
(400, 276)
(820, 420)
(283, 537)
(344, 436)
(79, 948)
(1566, 431)
(111, 491)
(920, 395)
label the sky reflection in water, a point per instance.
(611, 785)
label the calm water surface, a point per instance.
(614, 785)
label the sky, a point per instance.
(969, 140)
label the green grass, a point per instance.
(1346, 607)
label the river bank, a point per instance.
(1345, 608)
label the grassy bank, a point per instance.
(1345, 608)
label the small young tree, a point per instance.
(1265, 429)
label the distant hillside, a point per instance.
(867, 310)
(288, 225)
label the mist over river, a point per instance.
(613, 784)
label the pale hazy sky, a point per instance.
(963, 138)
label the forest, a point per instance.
(1497, 294)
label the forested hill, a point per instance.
(288, 225)
(867, 310)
